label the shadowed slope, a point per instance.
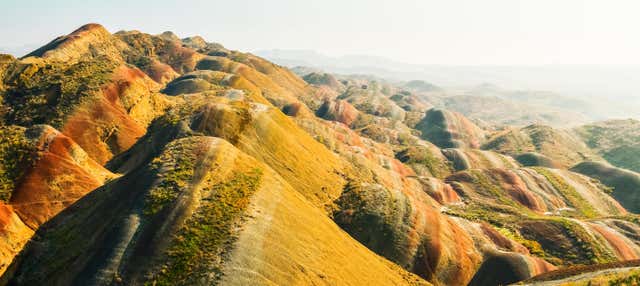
(54, 173)
(259, 130)
(617, 273)
(448, 129)
(81, 85)
(198, 191)
(255, 205)
(625, 184)
(532, 159)
(559, 145)
(503, 268)
(617, 141)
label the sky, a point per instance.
(451, 32)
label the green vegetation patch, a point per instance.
(196, 251)
(594, 250)
(422, 156)
(566, 242)
(485, 185)
(46, 93)
(533, 246)
(632, 278)
(498, 215)
(374, 217)
(535, 159)
(512, 142)
(176, 168)
(627, 157)
(569, 193)
(491, 204)
(16, 154)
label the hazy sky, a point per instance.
(460, 32)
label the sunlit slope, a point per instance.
(234, 170)
(258, 129)
(42, 172)
(81, 85)
(198, 213)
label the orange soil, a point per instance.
(102, 126)
(518, 190)
(54, 182)
(442, 192)
(5, 215)
(622, 249)
(502, 241)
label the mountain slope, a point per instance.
(180, 162)
(81, 85)
(617, 141)
(562, 146)
(625, 184)
(43, 173)
(259, 130)
(448, 129)
(194, 195)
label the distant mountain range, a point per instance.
(591, 83)
(136, 159)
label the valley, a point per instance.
(137, 159)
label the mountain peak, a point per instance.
(168, 35)
(146, 159)
(89, 40)
(197, 42)
(90, 27)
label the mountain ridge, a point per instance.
(185, 163)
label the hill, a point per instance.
(137, 159)
(559, 145)
(617, 141)
(625, 184)
(197, 211)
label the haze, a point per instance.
(579, 48)
(458, 32)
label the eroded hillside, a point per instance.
(141, 159)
